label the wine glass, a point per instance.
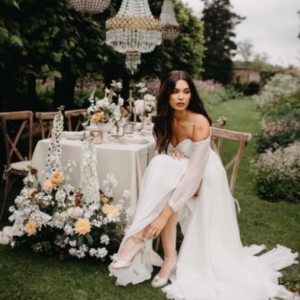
(84, 123)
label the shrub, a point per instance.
(276, 135)
(279, 97)
(278, 174)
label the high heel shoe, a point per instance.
(157, 281)
(122, 264)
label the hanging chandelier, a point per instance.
(90, 7)
(170, 26)
(133, 29)
(133, 59)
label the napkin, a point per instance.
(146, 132)
(134, 140)
(73, 135)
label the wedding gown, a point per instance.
(212, 263)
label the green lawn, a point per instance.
(26, 275)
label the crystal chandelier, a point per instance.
(133, 59)
(133, 30)
(90, 7)
(170, 26)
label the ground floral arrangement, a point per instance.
(56, 217)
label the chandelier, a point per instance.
(133, 59)
(90, 7)
(133, 30)
(170, 26)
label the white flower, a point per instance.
(116, 84)
(102, 103)
(126, 194)
(59, 219)
(120, 101)
(68, 230)
(104, 239)
(149, 98)
(72, 243)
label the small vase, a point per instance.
(105, 128)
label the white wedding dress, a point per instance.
(212, 262)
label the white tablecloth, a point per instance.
(126, 161)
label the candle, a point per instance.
(130, 100)
(134, 119)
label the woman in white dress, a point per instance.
(187, 183)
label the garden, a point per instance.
(267, 191)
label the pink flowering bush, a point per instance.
(276, 135)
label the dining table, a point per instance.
(126, 158)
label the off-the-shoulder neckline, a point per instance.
(191, 141)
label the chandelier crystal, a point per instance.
(133, 59)
(90, 7)
(133, 29)
(170, 26)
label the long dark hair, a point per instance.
(163, 120)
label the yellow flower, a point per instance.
(104, 200)
(96, 117)
(48, 185)
(111, 210)
(83, 226)
(57, 178)
(31, 228)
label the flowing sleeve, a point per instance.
(189, 184)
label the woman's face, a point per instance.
(181, 96)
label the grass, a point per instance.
(25, 275)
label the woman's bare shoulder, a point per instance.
(201, 128)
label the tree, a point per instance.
(219, 23)
(245, 49)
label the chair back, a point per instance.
(17, 130)
(243, 138)
(74, 117)
(217, 142)
(45, 120)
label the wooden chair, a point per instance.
(45, 120)
(17, 130)
(74, 117)
(243, 138)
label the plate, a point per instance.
(70, 135)
(92, 128)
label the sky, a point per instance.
(272, 26)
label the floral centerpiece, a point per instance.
(105, 110)
(145, 105)
(55, 215)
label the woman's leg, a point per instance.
(168, 236)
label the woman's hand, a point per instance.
(154, 229)
(176, 155)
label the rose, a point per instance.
(96, 117)
(83, 226)
(111, 210)
(31, 192)
(104, 200)
(33, 171)
(48, 185)
(149, 97)
(57, 178)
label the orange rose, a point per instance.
(111, 210)
(96, 117)
(31, 228)
(57, 178)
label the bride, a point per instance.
(187, 183)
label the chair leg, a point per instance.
(7, 188)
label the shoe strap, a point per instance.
(140, 239)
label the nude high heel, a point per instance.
(122, 264)
(157, 281)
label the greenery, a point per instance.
(49, 39)
(29, 276)
(219, 23)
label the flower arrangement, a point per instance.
(56, 216)
(147, 102)
(105, 110)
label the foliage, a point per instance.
(213, 92)
(277, 135)
(219, 22)
(279, 97)
(278, 174)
